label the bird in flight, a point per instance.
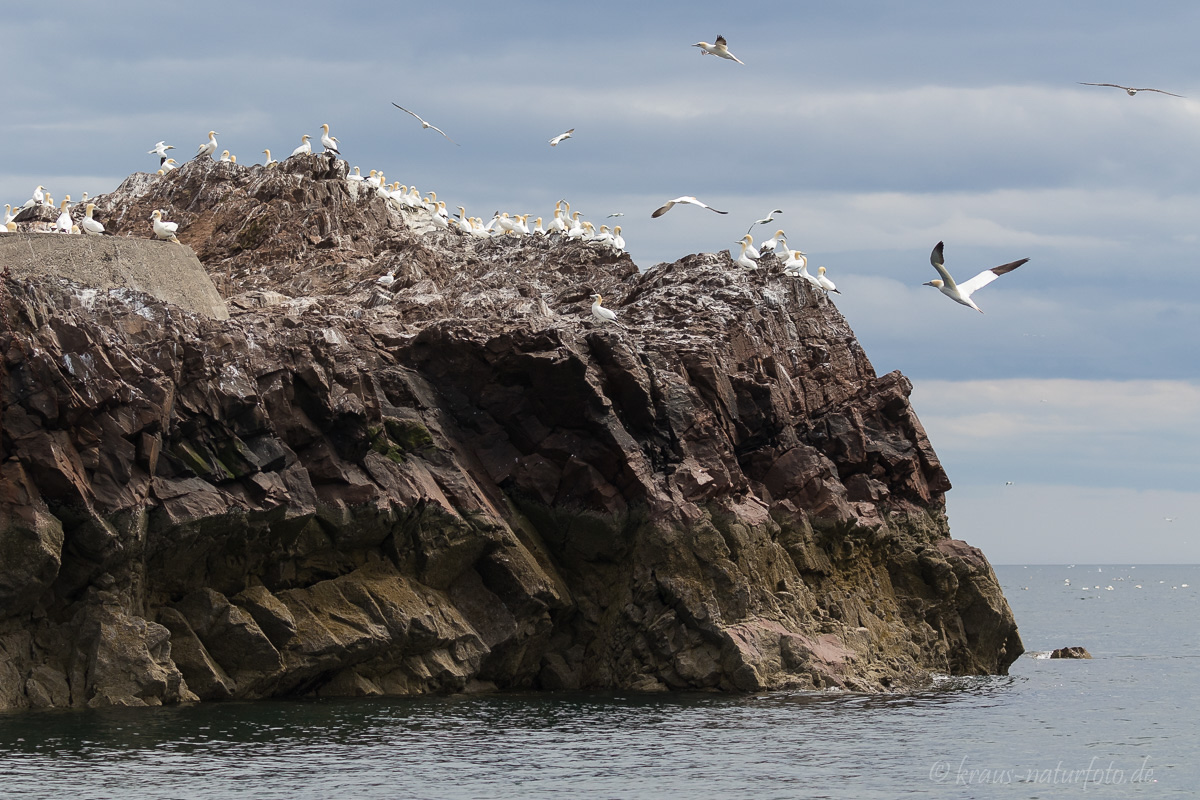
(685, 199)
(425, 124)
(554, 142)
(1131, 91)
(718, 48)
(961, 292)
(767, 219)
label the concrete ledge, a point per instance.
(163, 270)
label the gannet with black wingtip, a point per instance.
(824, 282)
(160, 150)
(208, 148)
(686, 199)
(961, 292)
(89, 225)
(39, 197)
(780, 238)
(63, 223)
(604, 237)
(769, 218)
(561, 137)
(169, 165)
(224, 156)
(1131, 91)
(603, 315)
(747, 241)
(163, 229)
(718, 48)
(425, 125)
(305, 147)
(330, 143)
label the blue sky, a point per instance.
(879, 128)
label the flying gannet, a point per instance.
(688, 199)
(616, 214)
(961, 292)
(1131, 91)
(425, 125)
(824, 282)
(160, 150)
(208, 148)
(603, 315)
(718, 48)
(769, 218)
(330, 143)
(89, 225)
(561, 137)
(305, 148)
(163, 229)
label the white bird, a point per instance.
(825, 283)
(769, 218)
(305, 147)
(618, 240)
(747, 242)
(224, 155)
(63, 224)
(163, 229)
(718, 48)
(795, 261)
(561, 137)
(330, 143)
(961, 292)
(388, 279)
(425, 125)
(1131, 91)
(744, 258)
(160, 150)
(602, 314)
(357, 176)
(770, 244)
(89, 225)
(168, 165)
(616, 214)
(269, 160)
(688, 199)
(39, 197)
(208, 148)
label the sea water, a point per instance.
(1124, 724)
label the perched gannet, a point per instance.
(356, 176)
(233, 159)
(160, 150)
(1129, 89)
(89, 225)
(825, 283)
(64, 223)
(961, 292)
(168, 165)
(561, 137)
(744, 259)
(39, 197)
(224, 156)
(747, 242)
(687, 198)
(425, 125)
(576, 229)
(304, 149)
(770, 244)
(794, 263)
(208, 148)
(538, 230)
(618, 240)
(388, 279)
(604, 237)
(439, 221)
(269, 160)
(163, 229)
(8, 214)
(330, 143)
(602, 314)
(718, 48)
(769, 218)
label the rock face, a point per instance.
(460, 482)
(1071, 652)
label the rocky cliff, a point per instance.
(459, 482)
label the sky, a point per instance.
(1067, 415)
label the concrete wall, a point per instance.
(163, 270)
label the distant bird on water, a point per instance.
(602, 314)
(687, 199)
(330, 143)
(160, 150)
(1131, 91)
(163, 229)
(208, 148)
(553, 142)
(718, 48)
(769, 218)
(961, 292)
(425, 125)
(305, 147)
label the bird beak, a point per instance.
(927, 283)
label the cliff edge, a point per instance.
(459, 482)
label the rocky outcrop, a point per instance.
(1071, 652)
(459, 482)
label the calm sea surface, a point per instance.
(1125, 724)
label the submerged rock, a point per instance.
(1071, 652)
(459, 482)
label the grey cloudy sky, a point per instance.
(879, 127)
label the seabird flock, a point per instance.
(564, 223)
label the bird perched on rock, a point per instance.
(168, 165)
(824, 282)
(717, 48)
(162, 228)
(305, 147)
(64, 223)
(603, 315)
(780, 238)
(160, 150)
(330, 143)
(388, 279)
(961, 292)
(39, 197)
(269, 160)
(225, 156)
(89, 225)
(208, 148)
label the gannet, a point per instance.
(687, 198)
(602, 314)
(769, 218)
(747, 242)
(961, 293)
(795, 262)
(575, 230)
(168, 165)
(538, 230)
(618, 240)
(439, 221)
(304, 149)
(388, 279)
(770, 244)
(233, 159)
(8, 214)
(425, 124)
(1129, 89)
(269, 160)
(718, 49)
(224, 156)
(208, 148)
(616, 214)
(744, 258)
(330, 143)
(557, 225)
(64, 223)
(89, 225)
(160, 150)
(603, 237)
(39, 197)
(357, 176)
(554, 142)
(163, 229)
(825, 283)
